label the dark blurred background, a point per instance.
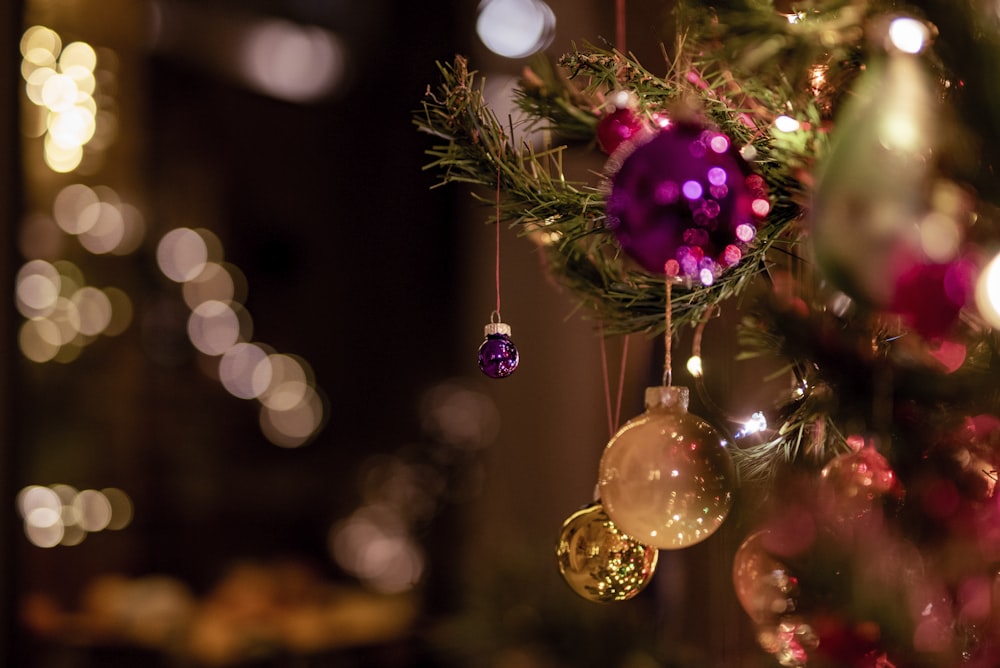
(415, 524)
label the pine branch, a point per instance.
(537, 196)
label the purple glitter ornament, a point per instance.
(685, 202)
(498, 356)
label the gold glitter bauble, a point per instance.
(598, 561)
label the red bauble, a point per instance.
(618, 127)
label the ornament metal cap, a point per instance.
(494, 328)
(668, 396)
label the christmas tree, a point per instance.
(825, 171)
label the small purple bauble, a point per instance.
(686, 203)
(497, 355)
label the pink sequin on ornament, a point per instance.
(686, 195)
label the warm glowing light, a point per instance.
(68, 207)
(293, 426)
(988, 293)
(61, 160)
(71, 128)
(39, 44)
(93, 510)
(34, 83)
(37, 288)
(35, 338)
(786, 124)
(374, 545)
(214, 327)
(908, 35)
(60, 514)
(33, 497)
(219, 281)
(94, 309)
(106, 231)
(78, 55)
(181, 254)
(291, 62)
(288, 384)
(62, 81)
(694, 366)
(515, 28)
(59, 92)
(245, 370)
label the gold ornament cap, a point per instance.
(494, 328)
(668, 396)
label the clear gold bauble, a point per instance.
(666, 477)
(599, 562)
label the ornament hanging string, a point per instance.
(668, 374)
(620, 26)
(613, 419)
(497, 276)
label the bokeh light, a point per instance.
(988, 292)
(786, 124)
(292, 62)
(292, 409)
(62, 313)
(181, 254)
(374, 545)
(62, 82)
(515, 28)
(245, 370)
(460, 414)
(908, 35)
(60, 514)
(215, 326)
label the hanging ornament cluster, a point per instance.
(665, 481)
(683, 202)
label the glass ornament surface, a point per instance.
(600, 562)
(764, 586)
(666, 477)
(685, 196)
(498, 356)
(875, 182)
